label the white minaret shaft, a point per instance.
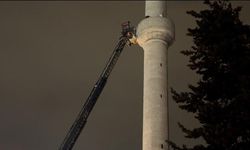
(154, 34)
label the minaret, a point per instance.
(155, 33)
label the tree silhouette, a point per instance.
(221, 98)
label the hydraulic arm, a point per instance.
(75, 130)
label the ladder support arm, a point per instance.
(82, 117)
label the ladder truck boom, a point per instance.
(75, 130)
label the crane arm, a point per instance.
(82, 117)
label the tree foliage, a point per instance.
(221, 99)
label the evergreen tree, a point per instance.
(221, 99)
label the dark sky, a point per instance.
(51, 54)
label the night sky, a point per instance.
(51, 54)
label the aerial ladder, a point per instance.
(127, 37)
